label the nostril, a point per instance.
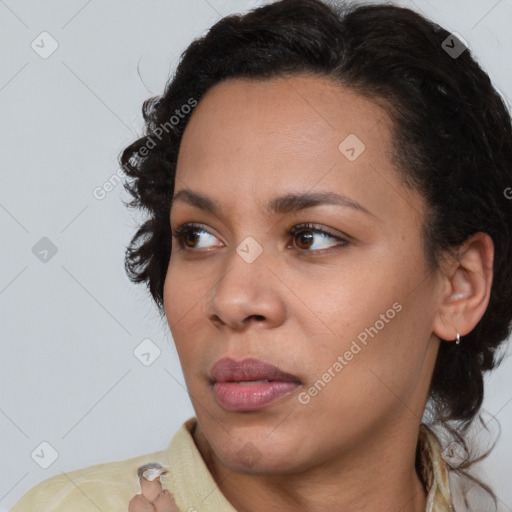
(257, 317)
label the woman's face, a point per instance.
(348, 313)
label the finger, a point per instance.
(151, 490)
(165, 502)
(140, 504)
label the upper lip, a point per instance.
(229, 370)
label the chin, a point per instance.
(250, 460)
(251, 450)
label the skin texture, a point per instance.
(352, 447)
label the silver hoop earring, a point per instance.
(458, 339)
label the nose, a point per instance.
(247, 293)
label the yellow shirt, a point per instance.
(109, 487)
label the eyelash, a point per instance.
(180, 233)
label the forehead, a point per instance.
(297, 107)
(254, 139)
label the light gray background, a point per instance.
(69, 325)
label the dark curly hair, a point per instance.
(452, 142)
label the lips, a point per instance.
(229, 370)
(250, 384)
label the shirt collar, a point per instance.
(434, 472)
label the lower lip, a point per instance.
(250, 397)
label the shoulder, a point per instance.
(107, 486)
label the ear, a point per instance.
(466, 287)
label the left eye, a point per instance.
(189, 237)
(307, 233)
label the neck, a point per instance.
(377, 475)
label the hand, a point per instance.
(163, 503)
(153, 498)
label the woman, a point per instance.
(329, 239)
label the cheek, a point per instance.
(350, 296)
(185, 291)
(372, 314)
(184, 298)
(374, 367)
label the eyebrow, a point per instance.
(287, 203)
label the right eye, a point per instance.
(189, 236)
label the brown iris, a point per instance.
(191, 235)
(305, 237)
